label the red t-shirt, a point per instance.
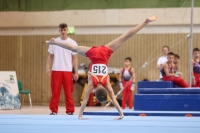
(99, 55)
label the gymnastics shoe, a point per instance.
(53, 113)
(70, 113)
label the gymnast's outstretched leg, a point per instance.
(115, 44)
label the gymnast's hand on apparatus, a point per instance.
(151, 19)
(51, 41)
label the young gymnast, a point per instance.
(169, 72)
(196, 67)
(176, 61)
(98, 78)
(127, 83)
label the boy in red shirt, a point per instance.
(98, 78)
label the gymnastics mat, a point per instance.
(155, 84)
(167, 102)
(168, 90)
(97, 124)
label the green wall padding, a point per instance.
(57, 5)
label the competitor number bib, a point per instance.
(99, 69)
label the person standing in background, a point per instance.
(162, 60)
(196, 68)
(127, 83)
(63, 61)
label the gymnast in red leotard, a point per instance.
(98, 78)
(99, 57)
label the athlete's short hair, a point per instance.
(63, 25)
(196, 50)
(170, 54)
(165, 46)
(128, 58)
(176, 56)
(101, 94)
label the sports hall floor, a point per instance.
(37, 120)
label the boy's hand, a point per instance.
(76, 76)
(48, 72)
(119, 118)
(81, 118)
(53, 40)
(176, 75)
(151, 19)
(180, 73)
(121, 85)
(193, 81)
(132, 88)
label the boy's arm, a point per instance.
(159, 65)
(75, 65)
(133, 75)
(120, 79)
(120, 75)
(133, 79)
(85, 100)
(115, 44)
(84, 103)
(78, 49)
(113, 98)
(49, 63)
(167, 71)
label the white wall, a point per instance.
(108, 17)
(151, 29)
(109, 21)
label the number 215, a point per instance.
(99, 69)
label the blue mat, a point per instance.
(155, 84)
(167, 102)
(97, 124)
(168, 90)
